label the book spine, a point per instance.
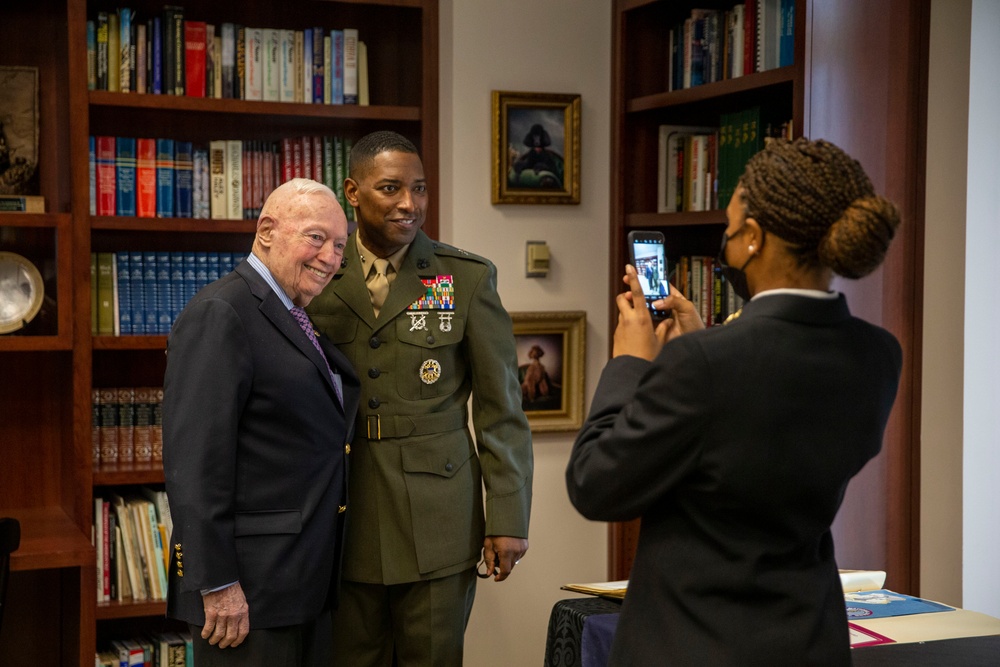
(164, 304)
(217, 179)
(199, 184)
(126, 425)
(122, 279)
(137, 292)
(169, 73)
(95, 424)
(101, 44)
(254, 72)
(178, 297)
(317, 152)
(228, 31)
(146, 178)
(212, 64)
(105, 160)
(125, 176)
(194, 58)
(114, 52)
(22, 203)
(165, 178)
(141, 59)
(363, 97)
(239, 75)
(336, 70)
(271, 56)
(317, 68)
(125, 67)
(143, 421)
(152, 298)
(91, 55)
(92, 168)
(180, 75)
(286, 45)
(339, 171)
(307, 66)
(156, 56)
(234, 178)
(109, 427)
(350, 75)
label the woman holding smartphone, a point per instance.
(735, 444)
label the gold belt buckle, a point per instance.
(377, 422)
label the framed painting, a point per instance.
(536, 148)
(551, 349)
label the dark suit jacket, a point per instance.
(735, 446)
(254, 455)
(417, 505)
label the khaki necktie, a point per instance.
(378, 286)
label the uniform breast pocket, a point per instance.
(431, 363)
(340, 329)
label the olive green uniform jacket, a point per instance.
(417, 475)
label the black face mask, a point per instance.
(735, 277)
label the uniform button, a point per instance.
(374, 342)
(430, 339)
(374, 373)
(347, 448)
(374, 403)
(448, 467)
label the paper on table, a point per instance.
(861, 580)
(612, 589)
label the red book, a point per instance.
(317, 151)
(307, 158)
(145, 178)
(287, 157)
(104, 156)
(194, 58)
(296, 158)
(750, 36)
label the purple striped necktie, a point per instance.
(303, 319)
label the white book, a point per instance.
(667, 174)
(217, 71)
(272, 64)
(286, 44)
(350, 66)
(234, 179)
(218, 187)
(253, 81)
(736, 49)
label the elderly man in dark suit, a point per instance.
(258, 416)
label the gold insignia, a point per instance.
(430, 371)
(341, 509)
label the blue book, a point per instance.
(124, 276)
(317, 61)
(337, 75)
(190, 283)
(307, 63)
(91, 57)
(177, 296)
(226, 263)
(214, 268)
(200, 270)
(92, 166)
(163, 287)
(137, 292)
(786, 40)
(157, 56)
(183, 179)
(152, 294)
(124, 175)
(164, 178)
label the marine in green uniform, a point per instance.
(416, 525)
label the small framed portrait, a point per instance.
(536, 148)
(550, 361)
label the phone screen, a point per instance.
(650, 263)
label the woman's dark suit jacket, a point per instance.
(735, 446)
(254, 455)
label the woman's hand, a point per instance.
(635, 335)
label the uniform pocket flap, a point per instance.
(338, 328)
(278, 522)
(436, 458)
(430, 328)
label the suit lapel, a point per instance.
(274, 310)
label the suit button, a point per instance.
(430, 339)
(374, 373)
(448, 467)
(374, 341)
(374, 403)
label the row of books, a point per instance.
(22, 203)
(161, 649)
(701, 281)
(169, 54)
(699, 167)
(712, 45)
(143, 292)
(223, 180)
(126, 426)
(130, 534)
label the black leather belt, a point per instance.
(401, 426)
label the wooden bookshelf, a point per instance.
(48, 480)
(858, 85)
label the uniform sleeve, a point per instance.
(642, 434)
(503, 437)
(209, 372)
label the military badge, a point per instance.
(439, 295)
(418, 321)
(444, 321)
(430, 371)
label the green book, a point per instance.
(105, 293)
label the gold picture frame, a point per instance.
(551, 349)
(536, 148)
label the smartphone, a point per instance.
(647, 252)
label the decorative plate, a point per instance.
(21, 291)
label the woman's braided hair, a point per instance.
(819, 199)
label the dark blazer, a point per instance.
(735, 446)
(254, 455)
(417, 474)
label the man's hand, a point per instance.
(503, 552)
(227, 617)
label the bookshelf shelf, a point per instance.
(107, 611)
(129, 474)
(752, 84)
(136, 342)
(54, 220)
(15, 343)
(172, 225)
(49, 539)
